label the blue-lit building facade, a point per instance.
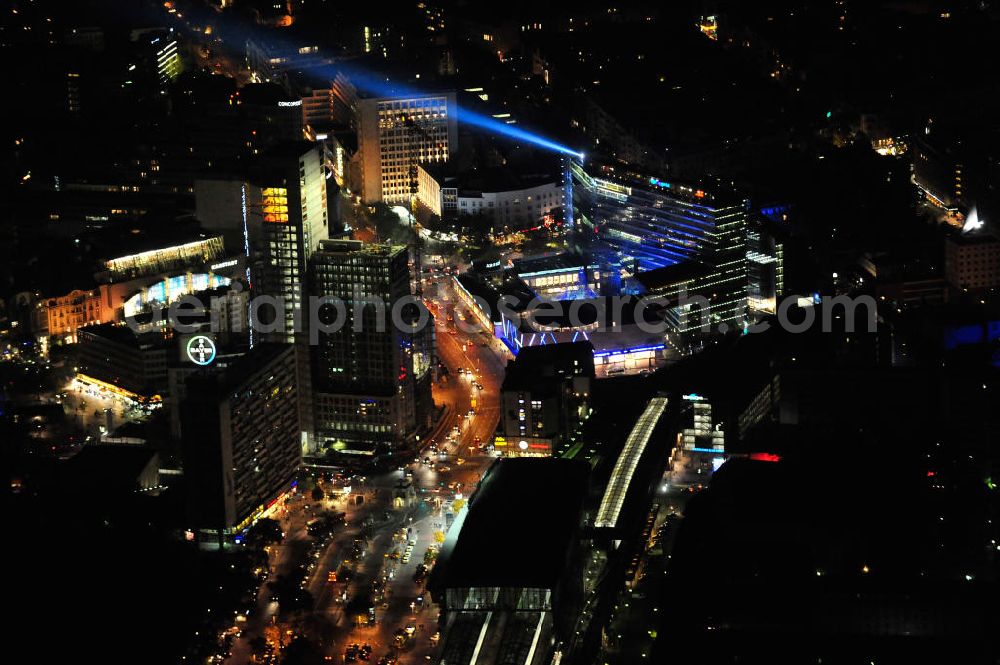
(170, 289)
(648, 224)
(578, 292)
(680, 242)
(568, 277)
(712, 266)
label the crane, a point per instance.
(414, 129)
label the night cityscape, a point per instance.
(501, 333)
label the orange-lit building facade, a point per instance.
(62, 316)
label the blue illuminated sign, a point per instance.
(637, 349)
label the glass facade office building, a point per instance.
(680, 241)
(651, 223)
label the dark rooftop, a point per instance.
(535, 363)
(669, 275)
(515, 289)
(124, 335)
(108, 466)
(241, 369)
(566, 260)
(501, 179)
(980, 237)
(519, 526)
(119, 241)
(264, 93)
(494, 179)
(287, 149)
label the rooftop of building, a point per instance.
(668, 276)
(518, 528)
(194, 87)
(131, 430)
(476, 287)
(476, 181)
(516, 292)
(535, 363)
(608, 314)
(982, 236)
(500, 179)
(265, 94)
(145, 236)
(400, 80)
(286, 149)
(530, 265)
(222, 381)
(712, 195)
(124, 335)
(350, 246)
(109, 465)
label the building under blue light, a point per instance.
(650, 222)
(680, 242)
(621, 345)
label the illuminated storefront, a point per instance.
(629, 360)
(105, 389)
(522, 447)
(172, 288)
(474, 308)
(166, 259)
(275, 506)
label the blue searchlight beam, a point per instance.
(382, 87)
(494, 126)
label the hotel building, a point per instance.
(397, 134)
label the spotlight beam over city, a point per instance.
(383, 87)
(494, 126)
(398, 333)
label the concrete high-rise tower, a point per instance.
(397, 134)
(371, 376)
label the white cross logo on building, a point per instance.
(201, 350)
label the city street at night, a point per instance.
(440, 487)
(501, 333)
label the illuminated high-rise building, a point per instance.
(293, 221)
(371, 376)
(972, 259)
(397, 134)
(158, 54)
(241, 439)
(700, 249)
(271, 114)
